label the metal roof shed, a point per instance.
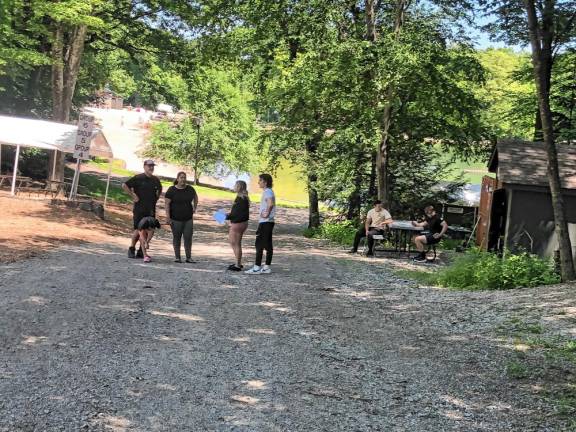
(521, 215)
(23, 132)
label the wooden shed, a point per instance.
(516, 207)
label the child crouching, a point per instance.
(146, 228)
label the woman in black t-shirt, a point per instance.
(238, 217)
(181, 202)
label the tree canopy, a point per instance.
(365, 97)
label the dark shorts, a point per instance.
(138, 215)
(430, 239)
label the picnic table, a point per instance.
(29, 185)
(401, 232)
(7, 179)
(55, 187)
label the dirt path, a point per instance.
(90, 340)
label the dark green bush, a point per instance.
(484, 270)
(337, 232)
(311, 232)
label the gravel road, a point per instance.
(90, 340)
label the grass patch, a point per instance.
(421, 276)
(204, 191)
(517, 370)
(547, 362)
(94, 187)
(117, 167)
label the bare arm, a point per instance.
(130, 192)
(444, 229)
(167, 202)
(195, 203)
(420, 224)
(386, 222)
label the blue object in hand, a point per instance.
(220, 216)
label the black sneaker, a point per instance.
(178, 260)
(234, 267)
(419, 258)
(190, 261)
(370, 254)
(131, 252)
(352, 251)
(140, 254)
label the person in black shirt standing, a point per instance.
(145, 189)
(238, 217)
(181, 202)
(436, 226)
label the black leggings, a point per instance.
(264, 241)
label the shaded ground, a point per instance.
(29, 227)
(90, 340)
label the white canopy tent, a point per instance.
(22, 132)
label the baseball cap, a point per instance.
(149, 162)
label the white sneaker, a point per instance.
(254, 270)
(265, 269)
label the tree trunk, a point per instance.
(56, 159)
(58, 74)
(66, 62)
(541, 41)
(372, 190)
(538, 136)
(382, 171)
(355, 198)
(73, 59)
(382, 156)
(313, 207)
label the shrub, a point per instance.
(485, 270)
(337, 232)
(311, 232)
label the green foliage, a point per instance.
(517, 370)
(227, 136)
(423, 276)
(510, 98)
(338, 232)
(94, 186)
(539, 359)
(483, 270)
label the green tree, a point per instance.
(508, 95)
(228, 134)
(546, 26)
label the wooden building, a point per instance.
(516, 207)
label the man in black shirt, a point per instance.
(145, 189)
(436, 226)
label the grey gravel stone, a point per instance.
(93, 341)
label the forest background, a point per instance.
(367, 99)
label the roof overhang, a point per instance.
(18, 131)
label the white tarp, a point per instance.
(162, 107)
(49, 135)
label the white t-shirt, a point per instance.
(378, 217)
(267, 193)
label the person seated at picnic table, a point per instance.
(436, 228)
(377, 221)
